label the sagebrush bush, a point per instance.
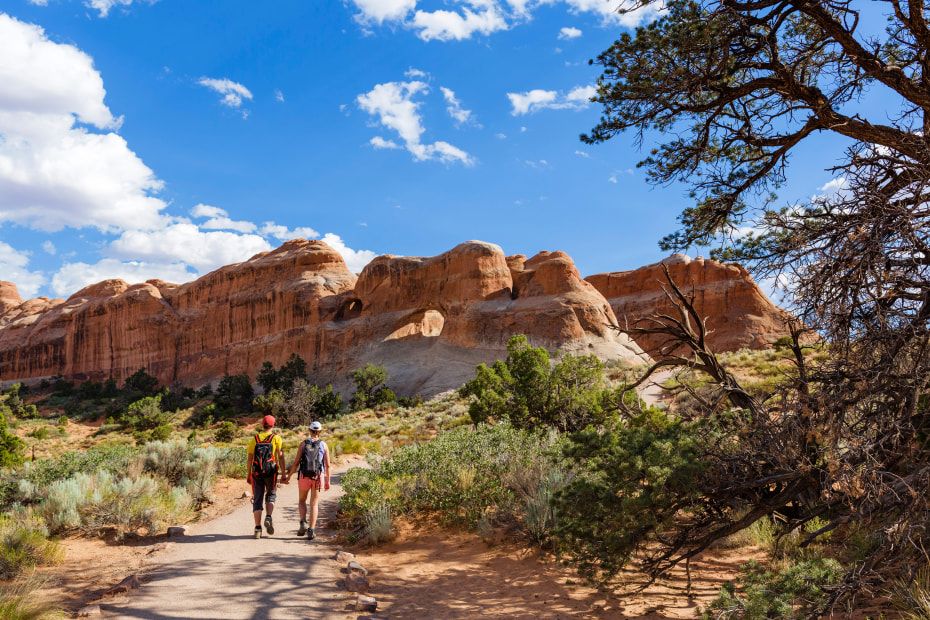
(24, 544)
(166, 459)
(96, 502)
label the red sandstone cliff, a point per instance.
(738, 314)
(429, 320)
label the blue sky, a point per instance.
(144, 139)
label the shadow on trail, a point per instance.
(268, 585)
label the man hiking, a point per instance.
(312, 465)
(265, 460)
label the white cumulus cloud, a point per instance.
(14, 268)
(233, 92)
(393, 105)
(461, 19)
(538, 99)
(283, 233)
(355, 259)
(54, 173)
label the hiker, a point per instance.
(266, 459)
(312, 465)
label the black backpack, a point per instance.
(311, 465)
(263, 461)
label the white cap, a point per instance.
(316, 426)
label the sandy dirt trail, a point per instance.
(219, 570)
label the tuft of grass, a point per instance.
(379, 523)
(912, 596)
(24, 545)
(18, 602)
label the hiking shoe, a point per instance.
(258, 531)
(310, 534)
(269, 527)
(302, 529)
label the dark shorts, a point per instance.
(263, 487)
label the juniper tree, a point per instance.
(735, 88)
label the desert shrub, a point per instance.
(18, 601)
(101, 501)
(200, 470)
(531, 393)
(11, 446)
(40, 433)
(458, 476)
(378, 523)
(42, 473)
(145, 414)
(63, 421)
(166, 459)
(162, 432)
(232, 461)
(24, 544)
(634, 479)
(227, 432)
(368, 381)
(798, 591)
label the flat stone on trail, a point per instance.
(344, 557)
(89, 610)
(366, 603)
(129, 583)
(176, 530)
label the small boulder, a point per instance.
(366, 603)
(356, 582)
(129, 583)
(355, 567)
(176, 530)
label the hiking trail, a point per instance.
(219, 570)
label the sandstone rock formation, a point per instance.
(738, 314)
(428, 320)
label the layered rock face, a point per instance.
(428, 320)
(738, 314)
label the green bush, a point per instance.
(40, 433)
(234, 392)
(162, 432)
(145, 414)
(369, 380)
(531, 393)
(140, 382)
(458, 476)
(791, 593)
(11, 446)
(634, 479)
(227, 432)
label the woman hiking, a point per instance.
(312, 465)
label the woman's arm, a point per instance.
(326, 467)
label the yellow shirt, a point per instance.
(276, 442)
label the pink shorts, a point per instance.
(306, 484)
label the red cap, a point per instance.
(268, 421)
